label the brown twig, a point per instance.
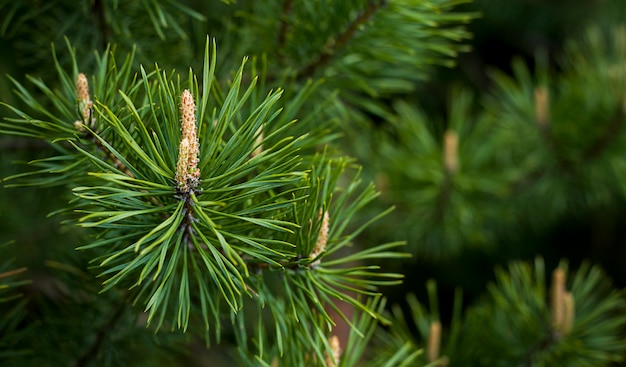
(186, 226)
(92, 352)
(116, 162)
(609, 135)
(332, 45)
(550, 140)
(443, 197)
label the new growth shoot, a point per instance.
(187, 172)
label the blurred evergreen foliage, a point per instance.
(495, 130)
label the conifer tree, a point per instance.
(250, 182)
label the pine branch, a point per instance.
(551, 142)
(610, 134)
(92, 352)
(332, 45)
(443, 198)
(542, 346)
(108, 154)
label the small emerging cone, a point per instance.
(562, 305)
(335, 346)
(433, 342)
(451, 151)
(322, 238)
(187, 172)
(557, 297)
(85, 104)
(542, 106)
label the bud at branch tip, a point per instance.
(322, 237)
(187, 172)
(433, 342)
(84, 102)
(561, 305)
(451, 151)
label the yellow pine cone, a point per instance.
(187, 172)
(85, 104)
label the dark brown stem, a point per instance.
(186, 226)
(116, 162)
(536, 175)
(443, 197)
(333, 45)
(92, 352)
(188, 234)
(544, 344)
(561, 160)
(610, 133)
